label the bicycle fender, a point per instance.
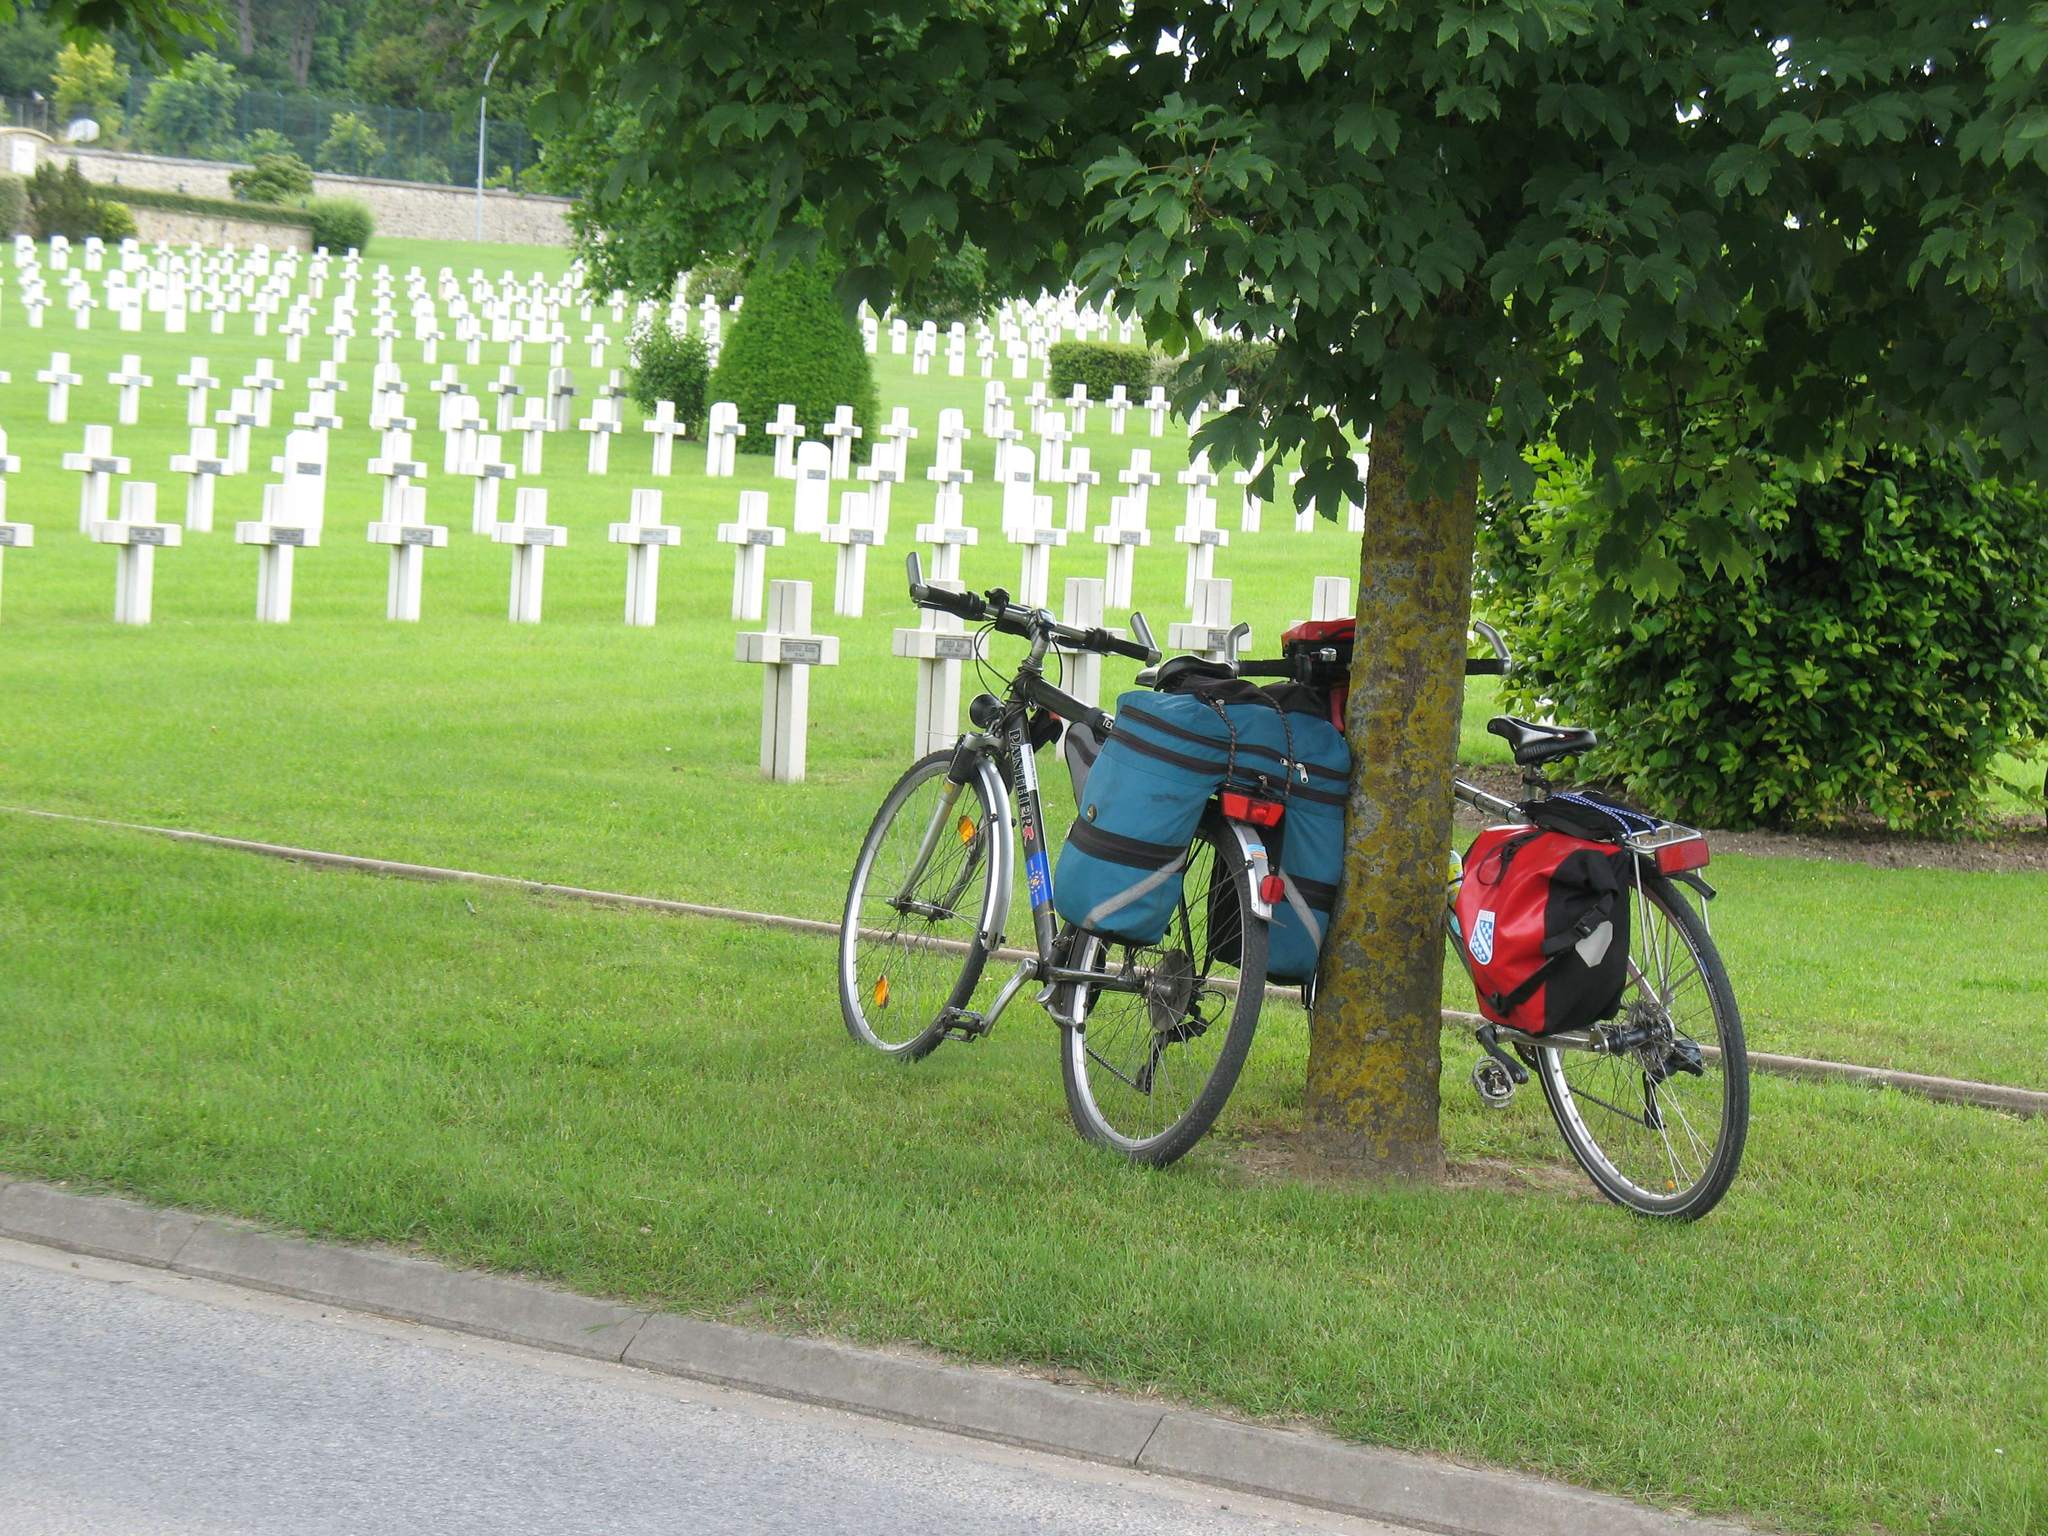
(1257, 866)
(1003, 847)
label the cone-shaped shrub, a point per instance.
(793, 345)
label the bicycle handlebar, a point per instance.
(994, 607)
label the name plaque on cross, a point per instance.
(807, 653)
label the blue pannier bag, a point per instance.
(1286, 750)
(1119, 873)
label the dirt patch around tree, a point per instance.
(1270, 1154)
(2009, 844)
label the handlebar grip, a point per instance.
(1103, 640)
(1486, 666)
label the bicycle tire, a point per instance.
(1669, 944)
(902, 972)
(1114, 1084)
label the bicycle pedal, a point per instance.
(964, 1024)
(1495, 1087)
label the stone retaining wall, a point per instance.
(403, 209)
(153, 224)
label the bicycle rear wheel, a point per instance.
(1150, 1068)
(1660, 1127)
(911, 942)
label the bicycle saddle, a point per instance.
(1532, 743)
(1176, 671)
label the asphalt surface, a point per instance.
(138, 1402)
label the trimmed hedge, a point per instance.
(793, 345)
(271, 179)
(1885, 647)
(214, 207)
(1101, 365)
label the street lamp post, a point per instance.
(481, 128)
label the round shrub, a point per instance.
(272, 178)
(793, 345)
(1101, 365)
(668, 365)
(1883, 651)
(340, 222)
(116, 222)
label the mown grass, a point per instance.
(669, 1111)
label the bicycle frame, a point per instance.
(1004, 740)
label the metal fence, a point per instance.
(402, 144)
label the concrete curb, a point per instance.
(1300, 1466)
(2029, 1102)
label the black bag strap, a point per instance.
(1508, 1002)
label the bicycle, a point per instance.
(1153, 1037)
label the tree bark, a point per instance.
(245, 28)
(1374, 1059)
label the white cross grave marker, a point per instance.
(1157, 404)
(12, 535)
(410, 536)
(939, 645)
(197, 384)
(489, 472)
(786, 650)
(530, 534)
(843, 433)
(203, 465)
(400, 472)
(1079, 477)
(304, 467)
(721, 438)
(1083, 610)
(275, 536)
(601, 425)
(1329, 599)
(263, 383)
(753, 538)
(60, 378)
(854, 533)
(787, 431)
(98, 464)
(666, 430)
(644, 533)
(130, 381)
(138, 535)
(1198, 528)
(1211, 633)
(1125, 533)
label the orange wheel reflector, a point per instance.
(881, 991)
(967, 830)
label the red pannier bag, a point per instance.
(1543, 920)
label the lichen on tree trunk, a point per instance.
(1374, 1060)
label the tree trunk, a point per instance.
(1374, 1060)
(245, 28)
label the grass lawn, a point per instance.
(669, 1111)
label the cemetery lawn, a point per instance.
(668, 1111)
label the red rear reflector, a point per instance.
(1677, 858)
(1260, 813)
(1272, 890)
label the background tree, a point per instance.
(1464, 230)
(351, 147)
(88, 83)
(193, 111)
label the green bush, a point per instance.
(668, 365)
(793, 344)
(272, 178)
(14, 216)
(63, 203)
(340, 222)
(116, 223)
(1101, 365)
(1884, 650)
(722, 280)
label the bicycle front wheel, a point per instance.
(922, 902)
(1157, 1054)
(1660, 1126)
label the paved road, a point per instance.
(137, 1402)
